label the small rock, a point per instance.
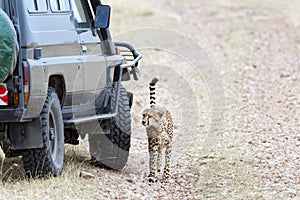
(201, 125)
(232, 163)
(292, 194)
(206, 156)
(285, 74)
(130, 180)
(86, 175)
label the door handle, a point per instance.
(83, 49)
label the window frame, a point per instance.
(37, 2)
(60, 11)
(1, 4)
(82, 26)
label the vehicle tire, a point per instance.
(111, 150)
(49, 159)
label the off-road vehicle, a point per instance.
(60, 76)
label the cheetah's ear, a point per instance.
(161, 113)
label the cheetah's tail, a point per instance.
(152, 90)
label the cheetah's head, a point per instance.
(151, 116)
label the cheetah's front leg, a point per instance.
(153, 154)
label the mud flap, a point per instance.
(130, 98)
(26, 135)
(103, 106)
(103, 102)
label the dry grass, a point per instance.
(289, 9)
(135, 14)
(132, 8)
(228, 172)
(69, 185)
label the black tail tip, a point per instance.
(155, 80)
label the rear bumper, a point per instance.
(11, 115)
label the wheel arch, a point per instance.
(58, 83)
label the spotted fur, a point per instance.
(159, 127)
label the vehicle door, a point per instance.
(94, 76)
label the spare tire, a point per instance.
(8, 46)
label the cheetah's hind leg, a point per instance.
(159, 159)
(166, 174)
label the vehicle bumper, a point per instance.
(11, 115)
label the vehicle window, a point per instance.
(60, 5)
(34, 6)
(81, 13)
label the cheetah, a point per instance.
(159, 128)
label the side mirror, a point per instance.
(102, 16)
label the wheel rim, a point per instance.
(53, 140)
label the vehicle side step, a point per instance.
(81, 120)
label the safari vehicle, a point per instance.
(61, 77)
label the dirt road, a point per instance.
(255, 48)
(231, 78)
